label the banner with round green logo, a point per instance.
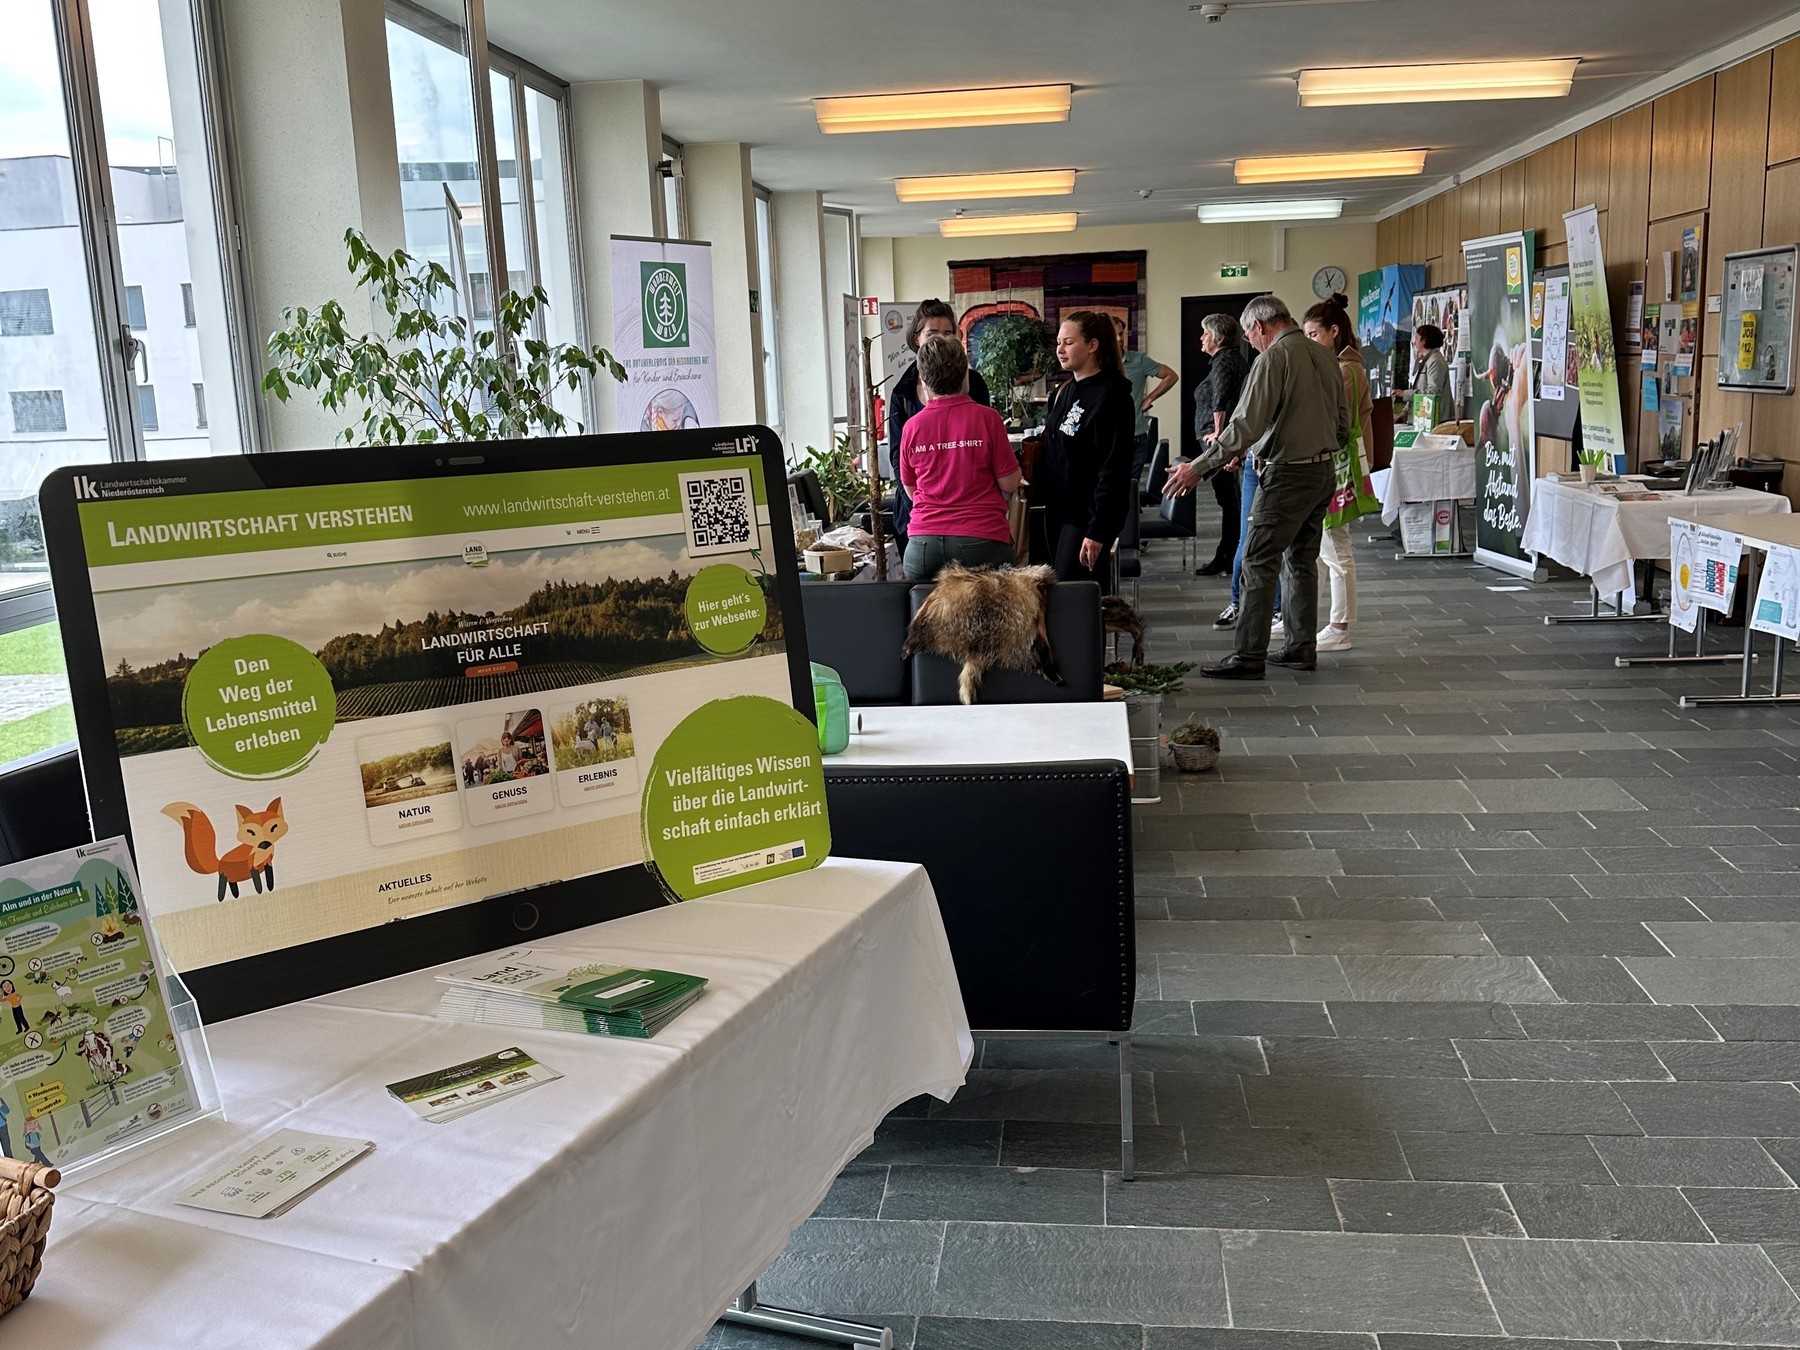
(735, 795)
(258, 706)
(725, 608)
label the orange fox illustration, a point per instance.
(253, 860)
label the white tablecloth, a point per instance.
(1601, 537)
(1427, 475)
(618, 1209)
(991, 733)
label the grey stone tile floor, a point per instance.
(1469, 1017)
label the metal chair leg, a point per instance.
(1127, 1152)
(746, 1311)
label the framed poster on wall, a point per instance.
(1756, 331)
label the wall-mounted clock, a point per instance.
(1328, 280)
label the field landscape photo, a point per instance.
(411, 636)
(424, 772)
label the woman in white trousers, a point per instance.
(1328, 323)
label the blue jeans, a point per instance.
(1247, 481)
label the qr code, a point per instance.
(719, 511)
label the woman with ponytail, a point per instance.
(1328, 323)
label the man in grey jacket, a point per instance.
(1293, 411)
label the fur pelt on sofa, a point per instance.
(986, 619)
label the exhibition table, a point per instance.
(1758, 534)
(1004, 734)
(1423, 474)
(620, 1208)
(1603, 538)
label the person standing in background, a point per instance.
(1140, 369)
(1293, 420)
(1431, 372)
(1084, 474)
(932, 316)
(1328, 324)
(958, 466)
(1215, 398)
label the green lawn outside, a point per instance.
(40, 731)
(32, 651)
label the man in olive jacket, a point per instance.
(1294, 413)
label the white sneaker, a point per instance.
(1334, 639)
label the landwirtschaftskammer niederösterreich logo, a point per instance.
(665, 304)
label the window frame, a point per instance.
(768, 336)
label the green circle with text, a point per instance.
(725, 608)
(258, 706)
(735, 795)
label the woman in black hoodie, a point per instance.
(1084, 475)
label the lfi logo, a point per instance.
(665, 304)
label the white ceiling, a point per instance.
(1163, 99)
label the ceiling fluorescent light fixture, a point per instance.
(974, 186)
(1460, 82)
(1321, 168)
(1052, 222)
(1228, 213)
(945, 108)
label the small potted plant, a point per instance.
(1591, 460)
(1194, 745)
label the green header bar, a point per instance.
(202, 525)
(39, 904)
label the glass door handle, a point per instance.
(136, 355)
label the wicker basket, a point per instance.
(26, 1196)
(1193, 758)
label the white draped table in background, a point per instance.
(620, 1208)
(1427, 474)
(1602, 537)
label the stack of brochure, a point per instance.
(525, 988)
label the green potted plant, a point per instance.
(1194, 745)
(1011, 352)
(433, 375)
(1591, 457)
(839, 478)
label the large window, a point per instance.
(771, 349)
(673, 198)
(443, 138)
(840, 280)
(25, 314)
(109, 175)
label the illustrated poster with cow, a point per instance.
(88, 1056)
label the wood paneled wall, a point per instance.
(1721, 153)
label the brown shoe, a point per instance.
(1233, 667)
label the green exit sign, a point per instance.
(1239, 269)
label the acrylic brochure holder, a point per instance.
(196, 1059)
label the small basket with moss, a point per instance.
(1194, 745)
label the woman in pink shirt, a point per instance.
(957, 466)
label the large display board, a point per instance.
(325, 691)
(1500, 275)
(1756, 328)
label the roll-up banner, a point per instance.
(663, 334)
(1499, 271)
(1591, 331)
